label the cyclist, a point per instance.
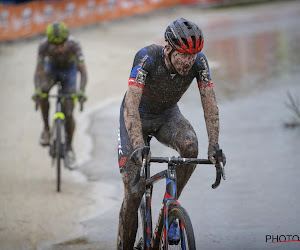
(59, 58)
(159, 77)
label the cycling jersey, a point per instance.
(161, 118)
(162, 90)
(71, 54)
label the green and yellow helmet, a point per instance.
(57, 32)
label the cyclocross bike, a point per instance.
(173, 212)
(58, 139)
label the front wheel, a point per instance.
(184, 237)
(59, 149)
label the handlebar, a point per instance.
(67, 96)
(179, 160)
(220, 172)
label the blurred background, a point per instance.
(253, 52)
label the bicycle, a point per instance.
(58, 138)
(173, 212)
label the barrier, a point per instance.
(217, 2)
(203, 1)
(20, 21)
(24, 20)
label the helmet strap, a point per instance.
(172, 66)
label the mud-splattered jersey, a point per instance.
(72, 53)
(162, 90)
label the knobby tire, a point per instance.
(187, 234)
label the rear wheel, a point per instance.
(186, 239)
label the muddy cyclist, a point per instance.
(59, 58)
(159, 77)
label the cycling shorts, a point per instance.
(67, 77)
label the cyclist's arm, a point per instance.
(39, 71)
(134, 93)
(208, 99)
(211, 112)
(80, 64)
(132, 116)
(83, 75)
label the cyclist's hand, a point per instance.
(212, 149)
(137, 156)
(37, 96)
(81, 96)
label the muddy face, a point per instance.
(183, 62)
(59, 48)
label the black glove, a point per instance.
(81, 96)
(212, 149)
(137, 155)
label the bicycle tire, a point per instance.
(139, 243)
(187, 238)
(58, 154)
(52, 144)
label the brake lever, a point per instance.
(220, 172)
(223, 171)
(218, 178)
(139, 173)
(143, 167)
(141, 170)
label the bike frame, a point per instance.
(170, 198)
(59, 115)
(58, 141)
(58, 146)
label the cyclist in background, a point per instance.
(159, 77)
(59, 58)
